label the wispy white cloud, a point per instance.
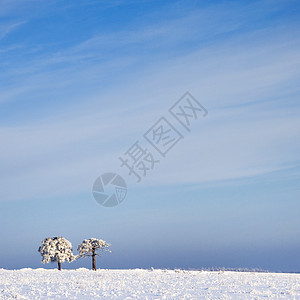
(6, 29)
(63, 158)
(244, 81)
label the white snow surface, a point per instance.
(146, 284)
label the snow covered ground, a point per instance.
(146, 284)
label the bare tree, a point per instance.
(90, 248)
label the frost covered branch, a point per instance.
(56, 249)
(90, 246)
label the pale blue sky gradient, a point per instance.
(82, 81)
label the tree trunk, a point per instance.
(59, 266)
(94, 260)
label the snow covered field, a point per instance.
(146, 284)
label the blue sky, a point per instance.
(81, 81)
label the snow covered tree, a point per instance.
(89, 248)
(56, 249)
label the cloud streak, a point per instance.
(6, 29)
(111, 94)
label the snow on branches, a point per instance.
(89, 248)
(56, 249)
